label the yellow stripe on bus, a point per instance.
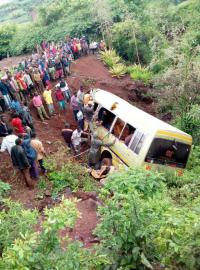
(175, 135)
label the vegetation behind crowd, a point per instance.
(160, 36)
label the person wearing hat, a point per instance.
(65, 89)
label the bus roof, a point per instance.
(132, 115)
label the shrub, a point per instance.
(125, 216)
(118, 70)
(71, 175)
(64, 172)
(15, 220)
(110, 58)
(190, 122)
(45, 250)
(142, 226)
(4, 189)
(137, 72)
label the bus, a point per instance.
(140, 138)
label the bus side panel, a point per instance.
(121, 152)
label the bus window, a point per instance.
(135, 141)
(105, 118)
(127, 134)
(169, 153)
(139, 145)
(118, 128)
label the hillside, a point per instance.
(141, 217)
(18, 11)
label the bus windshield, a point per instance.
(166, 152)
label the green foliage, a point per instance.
(125, 217)
(4, 189)
(6, 34)
(71, 175)
(110, 58)
(14, 220)
(118, 70)
(27, 36)
(137, 72)
(132, 41)
(64, 174)
(45, 250)
(190, 122)
(141, 225)
(19, 11)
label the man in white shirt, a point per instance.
(8, 141)
(76, 139)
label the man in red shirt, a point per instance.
(17, 124)
(60, 98)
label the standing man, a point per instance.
(60, 98)
(3, 127)
(2, 103)
(29, 83)
(47, 95)
(20, 161)
(95, 151)
(8, 141)
(37, 103)
(65, 89)
(16, 106)
(31, 155)
(74, 105)
(38, 146)
(80, 98)
(89, 113)
(5, 92)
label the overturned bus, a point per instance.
(141, 139)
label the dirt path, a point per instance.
(88, 71)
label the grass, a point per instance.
(64, 173)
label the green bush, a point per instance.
(125, 216)
(190, 122)
(7, 32)
(131, 40)
(14, 220)
(118, 70)
(110, 58)
(71, 175)
(45, 250)
(4, 189)
(137, 72)
(142, 226)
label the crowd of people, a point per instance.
(40, 80)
